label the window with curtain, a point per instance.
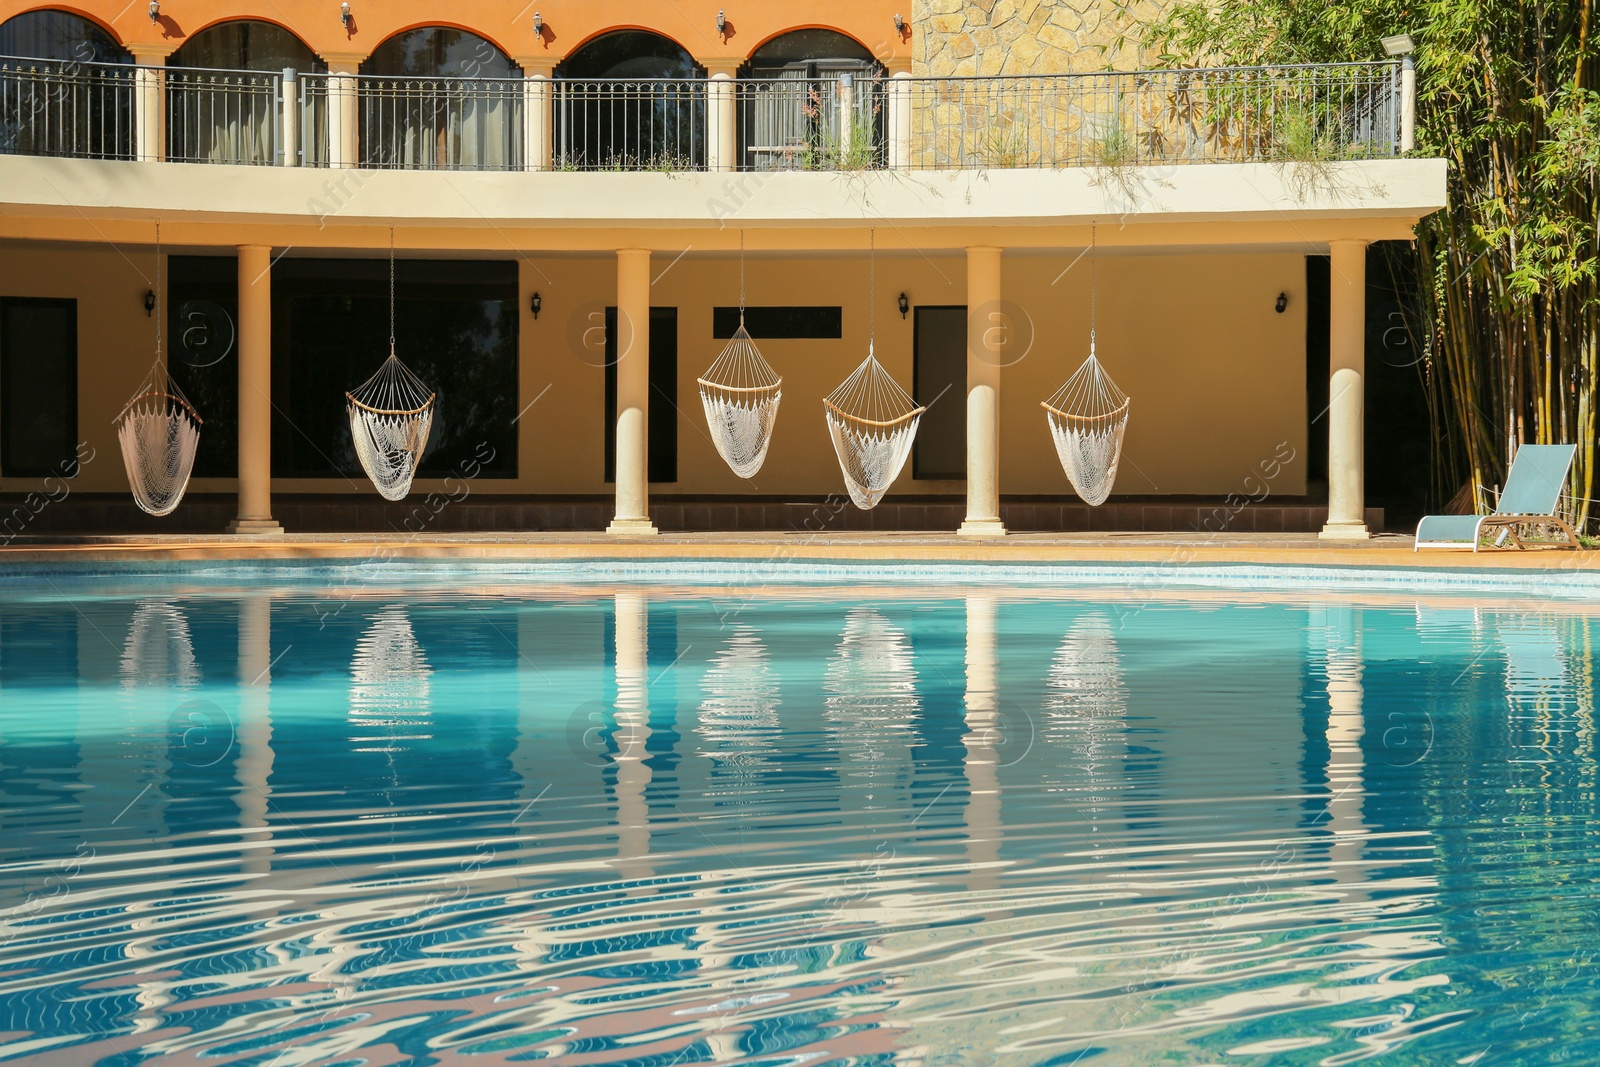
(438, 98)
(810, 99)
(630, 100)
(216, 114)
(66, 88)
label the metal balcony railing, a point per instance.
(843, 123)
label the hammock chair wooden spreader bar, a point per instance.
(158, 430)
(740, 393)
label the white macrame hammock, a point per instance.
(159, 431)
(1088, 416)
(391, 415)
(873, 423)
(740, 393)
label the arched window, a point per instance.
(437, 98)
(811, 100)
(630, 100)
(216, 113)
(69, 92)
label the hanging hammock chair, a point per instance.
(740, 392)
(391, 415)
(1088, 416)
(872, 422)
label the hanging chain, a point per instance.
(872, 290)
(391, 290)
(741, 277)
(1094, 279)
(161, 310)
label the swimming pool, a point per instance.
(301, 824)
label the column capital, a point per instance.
(722, 66)
(151, 55)
(344, 62)
(536, 66)
(898, 66)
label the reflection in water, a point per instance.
(872, 704)
(389, 685)
(1543, 715)
(632, 612)
(1085, 709)
(739, 726)
(159, 650)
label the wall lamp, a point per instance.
(155, 10)
(722, 24)
(535, 304)
(538, 25)
(1283, 303)
(900, 25)
(149, 303)
(905, 305)
(345, 16)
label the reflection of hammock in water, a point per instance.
(1085, 709)
(739, 714)
(872, 693)
(159, 650)
(389, 683)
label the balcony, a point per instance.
(1108, 121)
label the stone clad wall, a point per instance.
(966, 37)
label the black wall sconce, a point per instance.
(722, 24)
(535, 304)
(905, 305)
(1283, 303)
(344, 15)
(155, 10)
(538, 25)
(149, 303)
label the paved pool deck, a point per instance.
(1256, 549)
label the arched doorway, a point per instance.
(630, 100)
(437, 98)
(222, 92)
(811, 100)
(66, 88)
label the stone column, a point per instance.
(1347, 328)
(986, 340)
(633, 394)
(1408, 102)
(344, 110)
(290, 123)
(149, 103)
(255, 392)
(900, 114)
(538, 112)
(722, 116)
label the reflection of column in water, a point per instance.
(1085, 717)
(158, 650)
(1543, 718)
(633, 732)
(982, 738)
(872, 703)
(254, 732)
(1340, 630)
(739, 715)
(390, 684)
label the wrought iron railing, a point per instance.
(441, 123)
(1219, 115)
(655, 124)
(836, 123)
(66, 108)
(849, 122)
(224, 116)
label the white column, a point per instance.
(255, 392)
(986, 340)
(538, 113)
(149, 105)
(1347, 317)
(290, 124)
(847, 114)
(344, 112)
(722, 122)
(900, 120)
(633, 394)
(1408, 103)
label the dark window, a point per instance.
(246, 44)
(59, 35)
(473, 123)
(663, 414)
(203, 353)
(811, 99)
(1317, 364)
(82, 108)
(630, 100)
(456, 327)
(939, 382)
(38, 387)
(773, 323)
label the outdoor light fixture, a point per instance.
(905, 306)
(900, 25)
(155, 10)
(722, 24)
(535, 304)
(538, 25)
(1283, 303)
(1400, 44)
(345, 16)
(149, 300)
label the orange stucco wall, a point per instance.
(567, 23)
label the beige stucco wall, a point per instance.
(1217, 377)
(988, 37)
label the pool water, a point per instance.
(366, 825)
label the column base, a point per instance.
(1345, 531)
(982, 528)
(254, 526)
(632, 528)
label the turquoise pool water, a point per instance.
(358, 825)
